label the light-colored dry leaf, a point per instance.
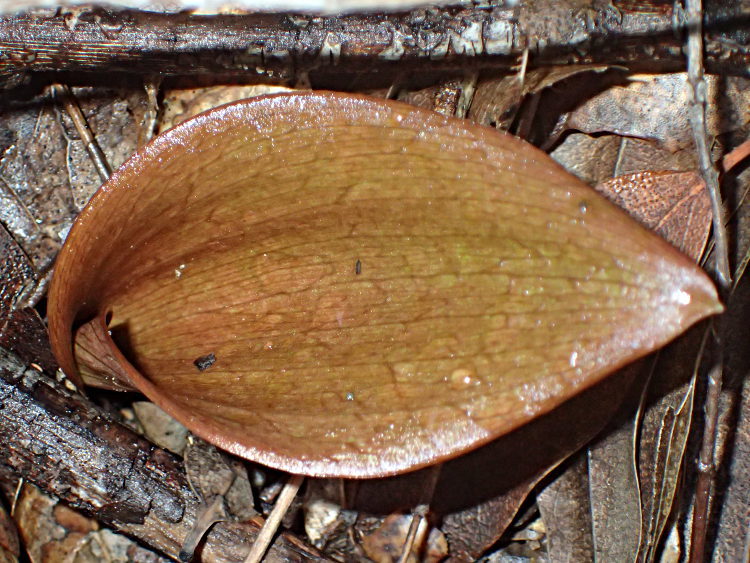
(182, 104)
(655, 107)
(161, 428)
(321, 519)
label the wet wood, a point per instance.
(73, 449)
(374, 48)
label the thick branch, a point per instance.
(284, 47)
(72, 449)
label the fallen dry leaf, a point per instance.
(425, 283)
(497, 100)
(566, 511)
(673, 204)
(160, 428)
(46, 175)
(181, 104)
(614, 495)
(480, 492)
(596, 159)
(655, 107)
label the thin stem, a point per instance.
(418, 516)
(273, 521)
(697, 114)
(741, 269)
(84, 131)
(420, 511)
(706, 466)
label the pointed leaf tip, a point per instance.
(377, 287)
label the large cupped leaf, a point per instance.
(337, 285)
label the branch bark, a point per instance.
(72, 449)
(283, 47)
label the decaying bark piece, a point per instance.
(369, 48)
(72, 449)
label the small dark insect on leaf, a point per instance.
(205, 362)
(358, 267)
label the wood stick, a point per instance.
(271, 525)
(706, 467)
(72, 449)
(367, 48)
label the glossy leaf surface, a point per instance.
(337, 285)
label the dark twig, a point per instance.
(706, 466)
(697, 112)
